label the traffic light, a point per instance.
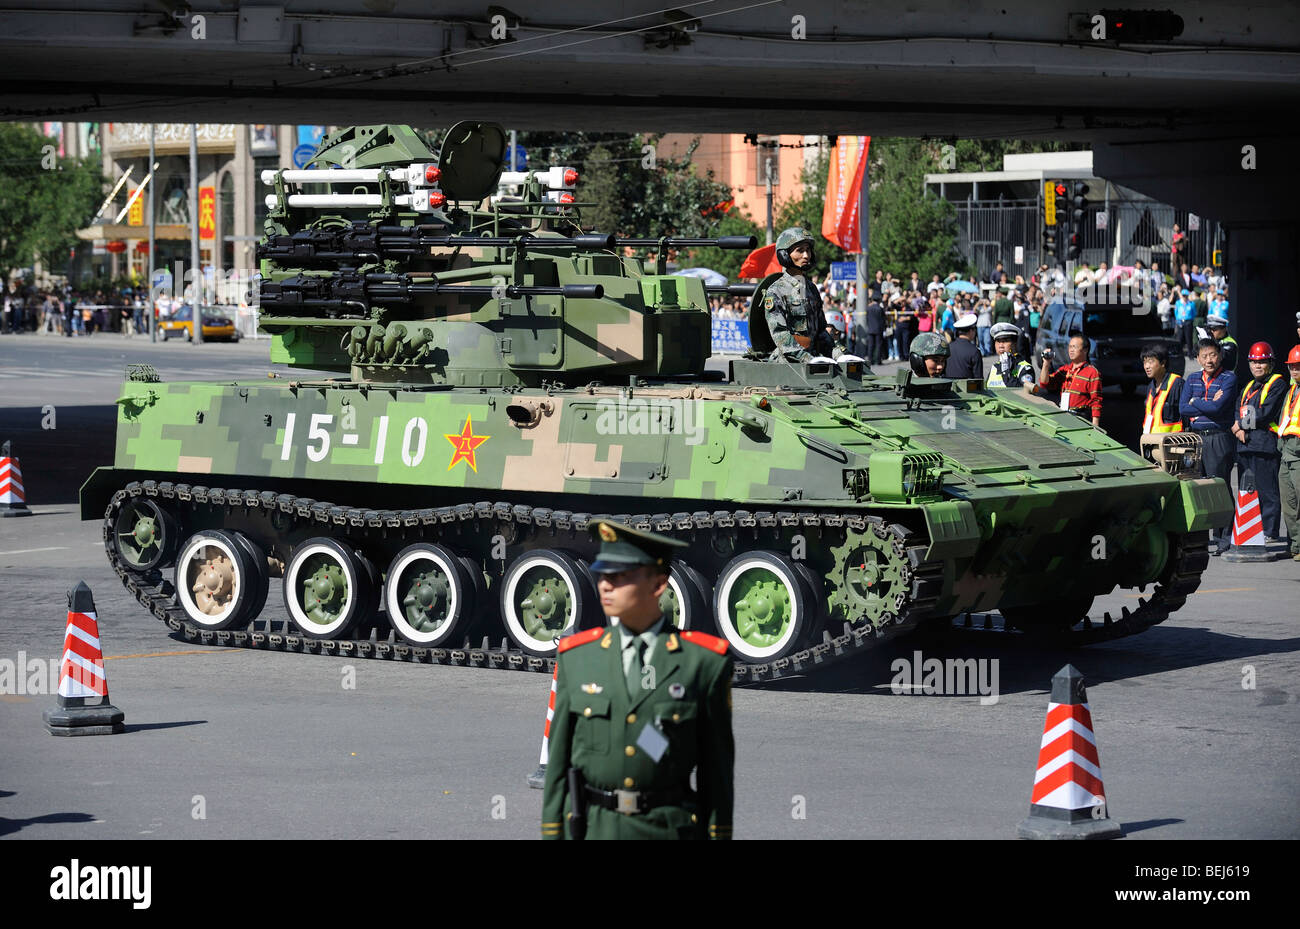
(1078, 203)
(1049, 243)
(1049, 203)
(1075, 247)
(1060, 200)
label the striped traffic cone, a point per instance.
(82, 676)
(13, 499)
(537, 780)
(1069, 801)
(1248, 542)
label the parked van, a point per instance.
(1117, 334)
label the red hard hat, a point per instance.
(1260, 351)
(1294, 357)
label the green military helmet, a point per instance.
(787, 240)
(926, 345)
(622, 547)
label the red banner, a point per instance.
(207, 212)
(844, 192)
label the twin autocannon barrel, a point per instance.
(350, 289)
(363, 242)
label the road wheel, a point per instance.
(259, 578)
(688, 601)
(328, 588)
(763, 605)
(546, 594)
(217, 580)
(430, 595)
(145, 535)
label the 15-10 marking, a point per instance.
(318, 438)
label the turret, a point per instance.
(395, 265)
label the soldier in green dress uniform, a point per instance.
(793, 304)
(638, 707)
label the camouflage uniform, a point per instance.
(792, 304)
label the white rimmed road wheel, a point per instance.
(688, 601)
(546, 594)
(430, 595)
(328, 588)
(763, 605)
(217, 579)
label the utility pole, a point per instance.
(514, 149)
(153, 325)
(196, 307)
(768, 172)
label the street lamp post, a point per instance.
(153, 324)
(196, 309)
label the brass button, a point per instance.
(629, 751)
(629, 782)
(587, 711)
(694, 818)
(631, 717)
(677, 717)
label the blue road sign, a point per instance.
(730, 335)
(516, 158)
(844, 270)
(303, 154)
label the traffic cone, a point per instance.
(13, 499)
(537, 780)
(82, 676)
(1069, 801)
(1248, 543)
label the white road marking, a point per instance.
(52, 548)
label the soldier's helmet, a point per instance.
(836, 319)
(926, 345)
(788, 240)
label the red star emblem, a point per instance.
(465, 442)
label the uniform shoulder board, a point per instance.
(711, 642)
(580, 638)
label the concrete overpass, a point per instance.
(1202, 119)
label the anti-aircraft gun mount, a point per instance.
(510, 376)
(387, 269)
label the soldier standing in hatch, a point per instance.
(793, 304)
(638, 706)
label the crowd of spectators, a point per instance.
(77, 312)
(899, 309)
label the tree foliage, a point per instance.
(44, 199)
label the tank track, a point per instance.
(1180, 580)
(156, 593)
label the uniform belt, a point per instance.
(635, 801)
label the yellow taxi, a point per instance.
(182, 323)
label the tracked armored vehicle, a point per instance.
(496, 376)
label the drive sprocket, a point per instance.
(871, 576)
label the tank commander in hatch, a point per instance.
(793, 304)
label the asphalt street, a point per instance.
(1196, 719)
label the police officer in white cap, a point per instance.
(1218, 329)
(964, 358)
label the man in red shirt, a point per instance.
(1078, 382)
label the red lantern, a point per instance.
(117, 246)
(142, 247)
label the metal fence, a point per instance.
(989, 231)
